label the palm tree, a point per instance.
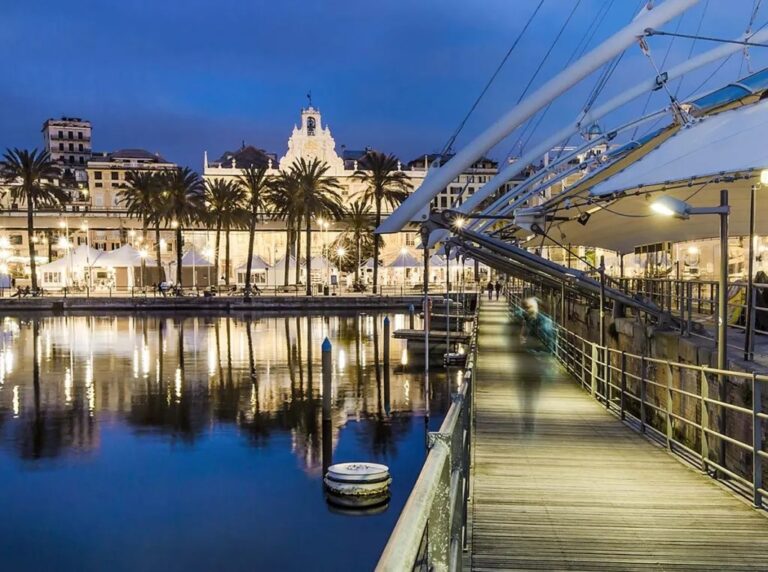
(319, 196)
(222, 200)
(286, 204)
(255, 186)
(359, 224)
(386, 184)
(34, 171)
(182, 205)
(141, 200)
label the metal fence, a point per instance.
(431, 533)
(685, 407)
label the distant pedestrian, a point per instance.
(498, 289)
(490, 289)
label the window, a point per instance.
(71, 158)
(71, 147)
(97, 175)
(471, 190)
(80, 147)
(311, 126)
(115, 175)
(51, 277)
(80, 135)
(69, 135)
(61, 135)
(82, 161)
(444, 202)
(61, 146)
(99, 185)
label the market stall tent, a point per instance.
(260, 271)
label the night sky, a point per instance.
(182, 76)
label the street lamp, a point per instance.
(669, 206)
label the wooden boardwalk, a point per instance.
(560, 484)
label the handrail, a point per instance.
(671, 403)
(431, 532)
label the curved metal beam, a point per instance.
(438, 179)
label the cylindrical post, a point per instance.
(411, 312)
(749, 318)
(757, 441)
(327, 363)
(386, 366)
(722, 319)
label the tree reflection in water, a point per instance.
(182, 377)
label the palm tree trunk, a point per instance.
(298, 251)
(357, 258)
(249, 263)
(178, 256)
(288, 238)
(158, 254)
(144, 226)
(376, 247)
(226, 256)
(30, 236)
(216, 253)
(309, 254)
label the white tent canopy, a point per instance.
(405, 260)
(436, 261)
(193, 258)
(126, 256)
(257, 263)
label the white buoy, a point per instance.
(358, 479)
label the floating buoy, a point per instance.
(358, 479)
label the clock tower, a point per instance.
(311, 140)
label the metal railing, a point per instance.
(431, 533)
(686, 407)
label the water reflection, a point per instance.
(203, 433)
(182, 378)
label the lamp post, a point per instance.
(669, 206)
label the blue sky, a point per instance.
(183, 76)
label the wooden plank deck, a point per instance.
(560, 484)
(434, 336)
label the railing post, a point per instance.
(670, 404)
(757, 442)
(642, 394)
(704, 418)
(583, 373)
(623, 384)
(593, 380)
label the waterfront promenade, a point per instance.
(561, 484)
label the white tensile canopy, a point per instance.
(193, 258)
(723, 151)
